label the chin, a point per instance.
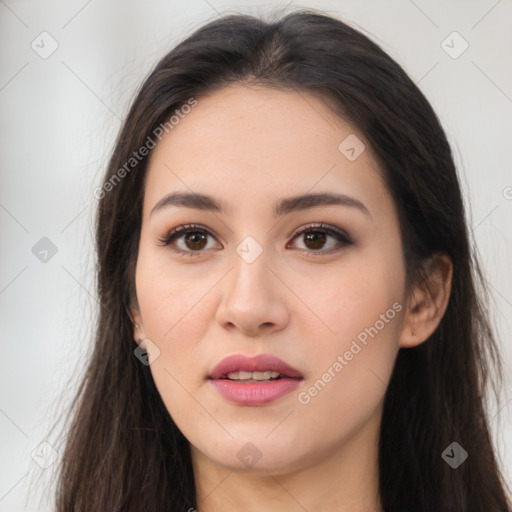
(257, 453)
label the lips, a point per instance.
(259, 363)
(254, 381)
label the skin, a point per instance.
(250, 147)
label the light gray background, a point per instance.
(59, 117)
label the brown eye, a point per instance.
(195, 240)
(315, 238)
(189, 240)
(192, 239)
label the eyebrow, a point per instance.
(282, 207)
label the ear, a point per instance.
(427, 301)
(139, 334)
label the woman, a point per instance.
(289, 310)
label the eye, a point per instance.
(315, 237)
(194, 238)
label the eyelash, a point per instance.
(337, 234)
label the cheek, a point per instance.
(351, 370)
(174, 318)
(353, 359)
(354, 302)
(171, 297)
(176, 310)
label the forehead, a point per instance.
(259, 144)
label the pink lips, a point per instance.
(254, 393)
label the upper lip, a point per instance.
(259, 363)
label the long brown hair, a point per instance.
(123, 451)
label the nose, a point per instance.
(254, 299)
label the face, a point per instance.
(314, 286)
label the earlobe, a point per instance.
(427, 301)
(138, 328)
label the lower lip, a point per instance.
(255, 393)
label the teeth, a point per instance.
(253, 375)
